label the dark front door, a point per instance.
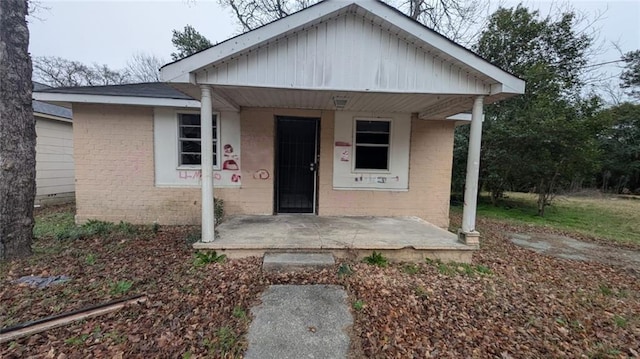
(297, 149)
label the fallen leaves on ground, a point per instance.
(510, 303)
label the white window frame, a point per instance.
(216, 165)
(355, 145)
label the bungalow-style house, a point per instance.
(54, 152)
(346, 108)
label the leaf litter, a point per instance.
(509, 303)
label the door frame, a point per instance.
(277, 160)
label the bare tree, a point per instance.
(17, 133)
(144, 67)
(255, 13)
(99, 75)
(59, 72)
(459, 20)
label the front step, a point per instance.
(295, 262)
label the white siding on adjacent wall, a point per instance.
(345, 53)
(54, 161)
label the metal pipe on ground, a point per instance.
(54, 321)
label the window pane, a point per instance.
(190, 132)
(372, 138)
(190, 146)
(189, 159)
(372, 158)
(189, 119)
(189, 128)
(372, 126)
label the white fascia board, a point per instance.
(511, 84)
(115, 100)
(463, 116)
(504, 88)
(460, 117)
(51, 117)
(179, 71)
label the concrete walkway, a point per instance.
(300, 321)
(569, 248)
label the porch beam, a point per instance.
(206, 143)
(444, 107)
(226, 99)
(468, 233)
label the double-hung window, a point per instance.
(189, 139)
(372, 143)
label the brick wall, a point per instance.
(429, 178)
(115, 170)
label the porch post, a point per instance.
(206, 147)
(468, 233)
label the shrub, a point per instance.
(204, 258)
(376, 259)
(95, 227)
(344, 270)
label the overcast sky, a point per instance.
(110, 32)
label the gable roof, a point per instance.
(43, 108)
(378, 13)
(149, 89)
(150, 93)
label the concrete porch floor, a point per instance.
(398, 238)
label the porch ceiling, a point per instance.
(428, 106)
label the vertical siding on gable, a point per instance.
(346, 53)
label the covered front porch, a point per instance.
(397, 238)
(384, 94)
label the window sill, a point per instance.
(194, 168)
(370, 172)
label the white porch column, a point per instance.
(468, 233)
(206, 143)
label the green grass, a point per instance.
(376, 259)
(120, 287)
(620, 322)
(344, 270)
(61, 226)
(239, 312)
(455, 268)
(410, 268)
(203, 258)
(225, 342)
(602, 217)
(53, 224)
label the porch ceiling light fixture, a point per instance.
(340, 102)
